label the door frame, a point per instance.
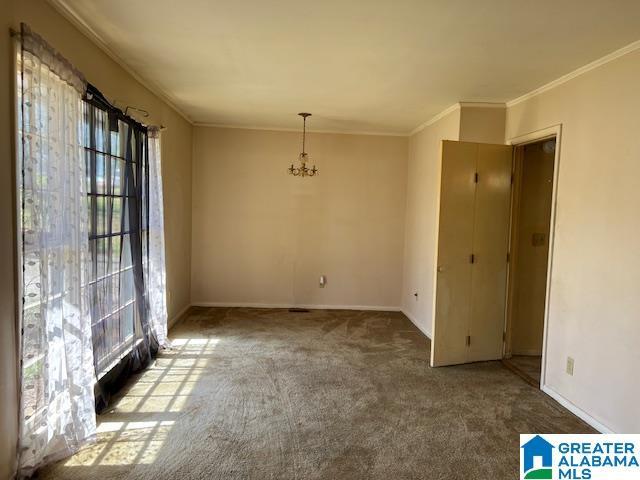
(554, 131)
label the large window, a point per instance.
(115, 153)
(89, 274)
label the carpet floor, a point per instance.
(528, 365)
(268, 394)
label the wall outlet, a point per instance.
(570, 363)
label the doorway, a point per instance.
(494, 252)
(531, 223)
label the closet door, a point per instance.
(473, 237)
(490, 247)
(455, 240)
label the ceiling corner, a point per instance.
(62, 7)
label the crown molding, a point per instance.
(435, 118)
(70, 14)
(547, 86)
(453, 108)
(483, 104)
(297, 130)
(576, 73)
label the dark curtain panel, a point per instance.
(117, 170)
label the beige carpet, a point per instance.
(268, 394)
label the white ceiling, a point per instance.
(358, 65)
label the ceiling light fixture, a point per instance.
(303, 158)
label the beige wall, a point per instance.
(594, 307)
(529, 266)
(262, 236)
(482, 124)
(115, 84)
(421, 223)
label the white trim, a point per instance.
(577, 411)
(536, 136)
(414, 320)
(483, 105)
(453, 108)
(62, 7)
(297, 130)
(435, 118)
(553, 131)
(576, 73)
(377, 308)
(171, 323)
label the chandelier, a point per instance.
(303, 158)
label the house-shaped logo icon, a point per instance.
(537, 447)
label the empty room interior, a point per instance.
(315, 240)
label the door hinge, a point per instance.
(504, 336)
(476, 178)
(508, 257)
(512, 178)
(472, 258)
(468, 340)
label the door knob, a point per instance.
(440, 268)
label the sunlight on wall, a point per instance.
(135, 429)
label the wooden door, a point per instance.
(473, 237)
(455, 241)
(490, 247)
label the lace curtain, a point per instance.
(156, 274)
(57, 411)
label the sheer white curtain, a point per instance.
(156, 275)
(57, 411)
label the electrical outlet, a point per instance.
(570, 363)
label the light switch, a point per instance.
(323, 281)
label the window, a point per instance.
(115, 153)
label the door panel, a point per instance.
(490, 246)
(455, 237)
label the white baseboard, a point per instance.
(177, 316)
(577, 411)
(378, 308)
(415, 322)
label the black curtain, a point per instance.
(118, 192)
